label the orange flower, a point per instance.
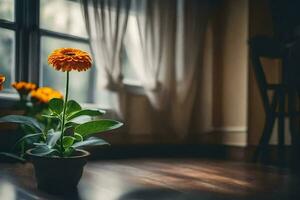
(45, 94)
(2, 80)
(68, 59)
(23, 87)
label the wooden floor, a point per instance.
(161, 179)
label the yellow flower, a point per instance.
(2, 80)
(45, 94)
(23, 87)
(68, 59)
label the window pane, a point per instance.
(132, 57)
(7, 9)
(62, 16)
(79, 81)
(130, 76)
(7, 44)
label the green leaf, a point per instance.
(78, 137)
(89, 128)
(27, 137)
(87, 112)
(39, 144)
(28, 129)
(68, 152)
(72, 106)
(69, 130)
(14, 156)
(51, 116)
(29, 121)
(90, 142)
(56, 105)
(68, 141)
(81, 119)
(42, 150)
(52, 137)
(71, 124)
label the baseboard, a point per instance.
(232, 135)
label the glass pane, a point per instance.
(132, 57)
(62, 16)
(128, 72)
(79, 81)
(7, 9)
(7, 45)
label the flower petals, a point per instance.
(68, 59)
(2, 80)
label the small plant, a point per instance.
(33, 102)
(75, 126)
(75, 129)
(2, 80)
(23, 88)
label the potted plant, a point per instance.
(56, 154)
(2, 80)
(33, 102)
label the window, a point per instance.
(128, 71)
(47, 25)
(130, 76)
(62, 25)
(64, 16)
(30, 30)
(7, 41)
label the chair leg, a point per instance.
(294, 123)
(265, 138)
(281, 127)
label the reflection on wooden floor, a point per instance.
(163, 179)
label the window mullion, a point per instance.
(19, 14)
(27, 40)
(34, 41)
(7, 25)
(63, 36)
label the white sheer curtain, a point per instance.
(106, 22)
(165, 41)
(149, 43)
(192, 23)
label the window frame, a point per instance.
(28, 34)
(53, 34)
(13, 26)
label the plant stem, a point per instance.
(64, 116)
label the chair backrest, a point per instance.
(293, 66)
(286, 15)
(263, 46)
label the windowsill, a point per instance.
(9, 99)
(9, 96)
(94, 106)
(134, 87)
(132, 82)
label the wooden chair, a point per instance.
(261, 46)
(288, 88)
(293, 91)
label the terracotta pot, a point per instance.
(59, 175)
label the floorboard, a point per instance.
(161, 179)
